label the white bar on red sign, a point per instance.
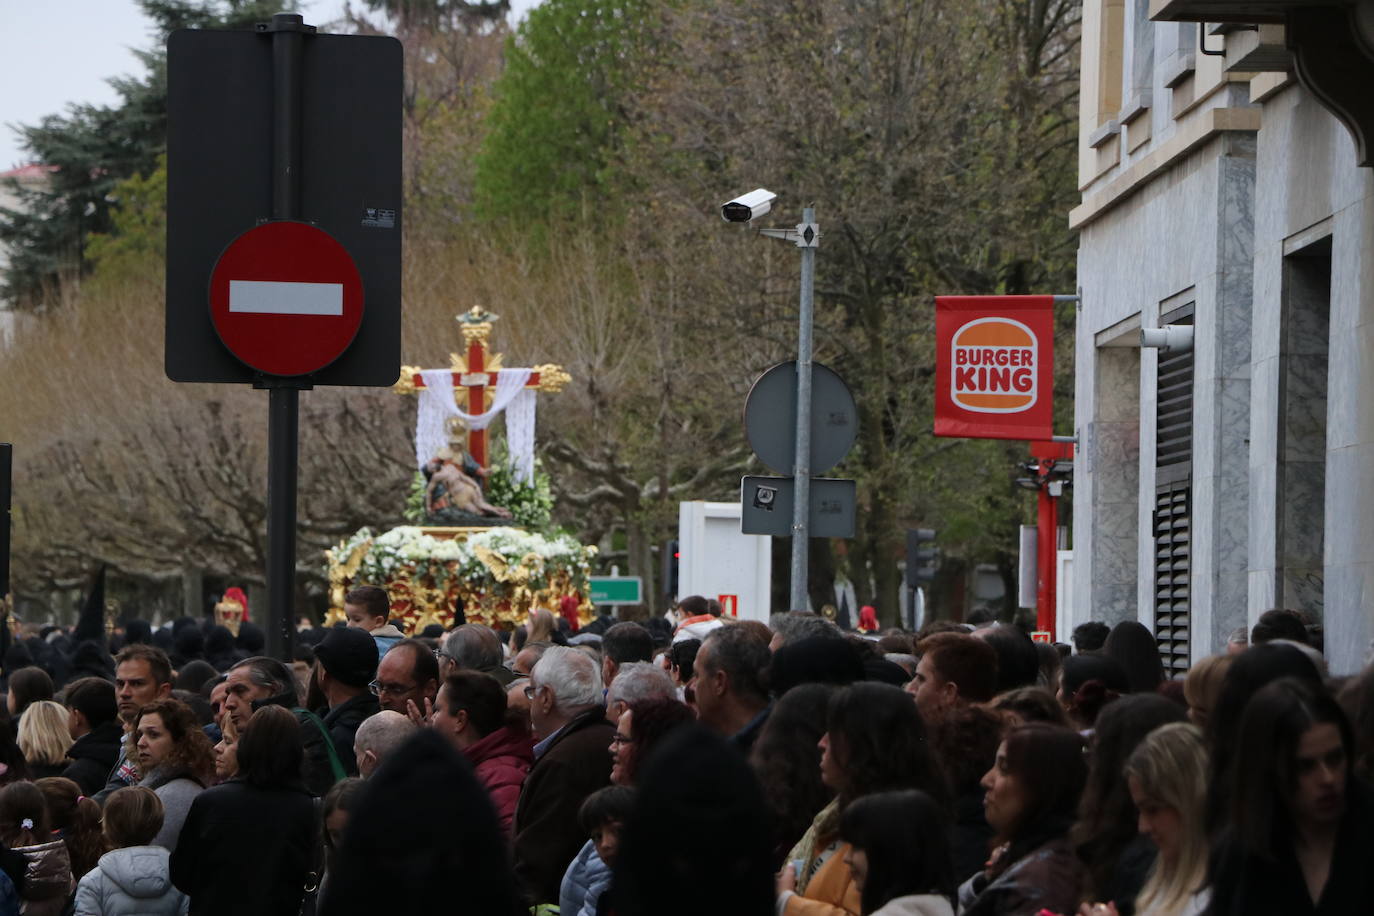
(279, 297)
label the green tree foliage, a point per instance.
(935, 139)
(559, 114)
(137, 240)
(91, 150)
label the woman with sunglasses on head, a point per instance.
(1299, 834)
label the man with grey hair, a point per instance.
(571, 762)
(794, 626)
(634, 682)
(262, 681)
(378, 736)
(475, 648)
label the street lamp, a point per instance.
(807, 237)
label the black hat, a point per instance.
(348, 654)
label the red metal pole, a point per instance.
(1045, 552)
(477, 402)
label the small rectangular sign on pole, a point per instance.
(766, 506)
(994, 367)
(617, 590)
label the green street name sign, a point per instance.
(617, 590)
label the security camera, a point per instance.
(748, 206)
(765, 498)
(1173, 338)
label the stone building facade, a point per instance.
(1223, 198)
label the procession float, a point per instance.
(480, 545)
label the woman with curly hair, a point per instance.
(787, 760)
(966, 740)
(175, 760)
(45, 738)
(874, 741)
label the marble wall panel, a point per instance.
(1349, 619)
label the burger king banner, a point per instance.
(994, 367)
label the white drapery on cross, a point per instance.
(437, 406)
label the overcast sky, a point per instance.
(57, 52)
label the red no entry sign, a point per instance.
(286, 298)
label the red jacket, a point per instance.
(502, 759)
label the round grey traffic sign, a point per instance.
(770, 417)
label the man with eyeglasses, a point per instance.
(344, 662)
(407, 680)
(571, 762)
(474, 647)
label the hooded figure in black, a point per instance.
(138, 631)
(219, 648)
(814, 660)
(91, 660)
(422, 827)
(698, 839)
(251, 639)
(188, 643)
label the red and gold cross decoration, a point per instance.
(475, 373)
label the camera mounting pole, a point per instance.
(807, 237)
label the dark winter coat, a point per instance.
(48, 882)
(1048, 878)
(547, 835)
(970, 837)
(93, 755)
(245, 850)
(343, 721)
(1243, 883)
(502, 761)
(317, 772)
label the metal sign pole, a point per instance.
(283, 408)
(6, 484)
(801, 462)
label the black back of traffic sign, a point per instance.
(219, 184)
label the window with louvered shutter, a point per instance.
(1173, 502)
(1173, 556)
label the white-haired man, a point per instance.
(571, 762)
(378, 736)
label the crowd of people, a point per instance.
(692, 764)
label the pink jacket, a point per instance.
(502, 760)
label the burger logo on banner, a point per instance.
(994, 363)
(994, 367)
